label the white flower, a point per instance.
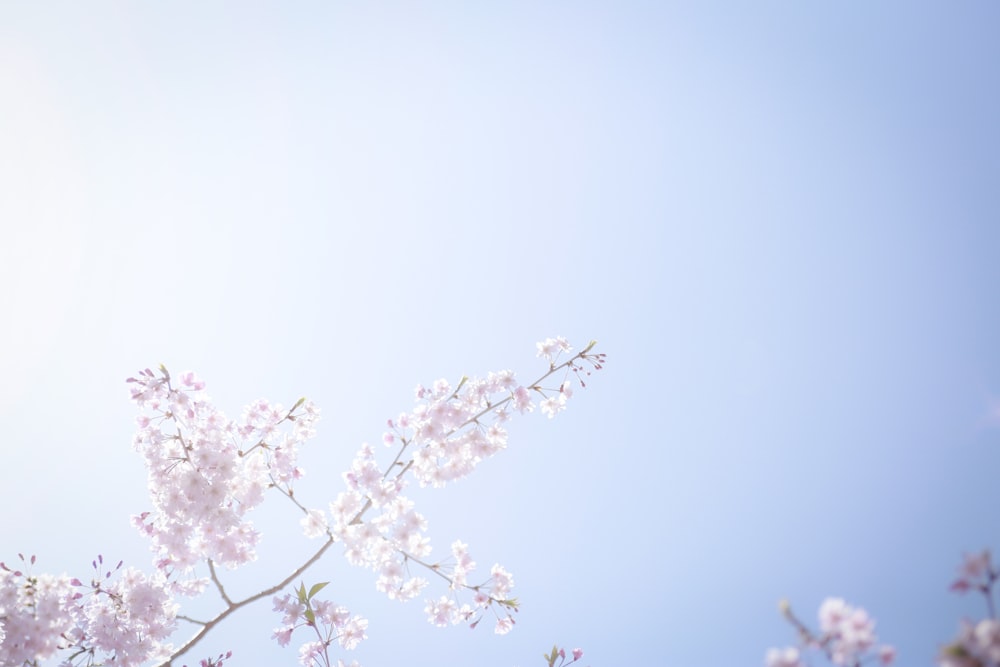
(787, 657)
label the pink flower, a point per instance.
(313, 523)
(189, 379)
(439, 613)
(283, 635)
(504, 625)
(310, 652)
(551, 347)
(553, 405)
(522, 400)
(353, 633)
(986, 636)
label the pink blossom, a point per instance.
(310, 652)
(283, 635)
(504, 625)
(550, 348)
(552, 405)
(522, 400)
(353, 633)
(439, 613)
(314, 523)
(189, 379)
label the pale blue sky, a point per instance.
(780, 220)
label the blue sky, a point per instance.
(779, 220)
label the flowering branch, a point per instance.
(235, 606)
(847, 634)
(847, 637)
(206, 473)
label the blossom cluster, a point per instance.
(978, 643)
(130, 617)
(449, 432)
(330, 623)
(847, 638)
(126, 619)
(206, 472)
(36, 614)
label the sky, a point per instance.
(780, 221)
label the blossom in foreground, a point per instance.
(847, 638)
(978, 643)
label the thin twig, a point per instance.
(191, 643)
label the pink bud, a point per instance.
(577, 653)
(961, 586)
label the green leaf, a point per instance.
(317, 588)
(310, 616)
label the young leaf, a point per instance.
(317, 588)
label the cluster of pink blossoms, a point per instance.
(848, 634)
(36, 615)
(207, 472)
(443, 439)
(847, 638)
(978, 643)
(126, 619)
(330, 622)
(130, 617)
